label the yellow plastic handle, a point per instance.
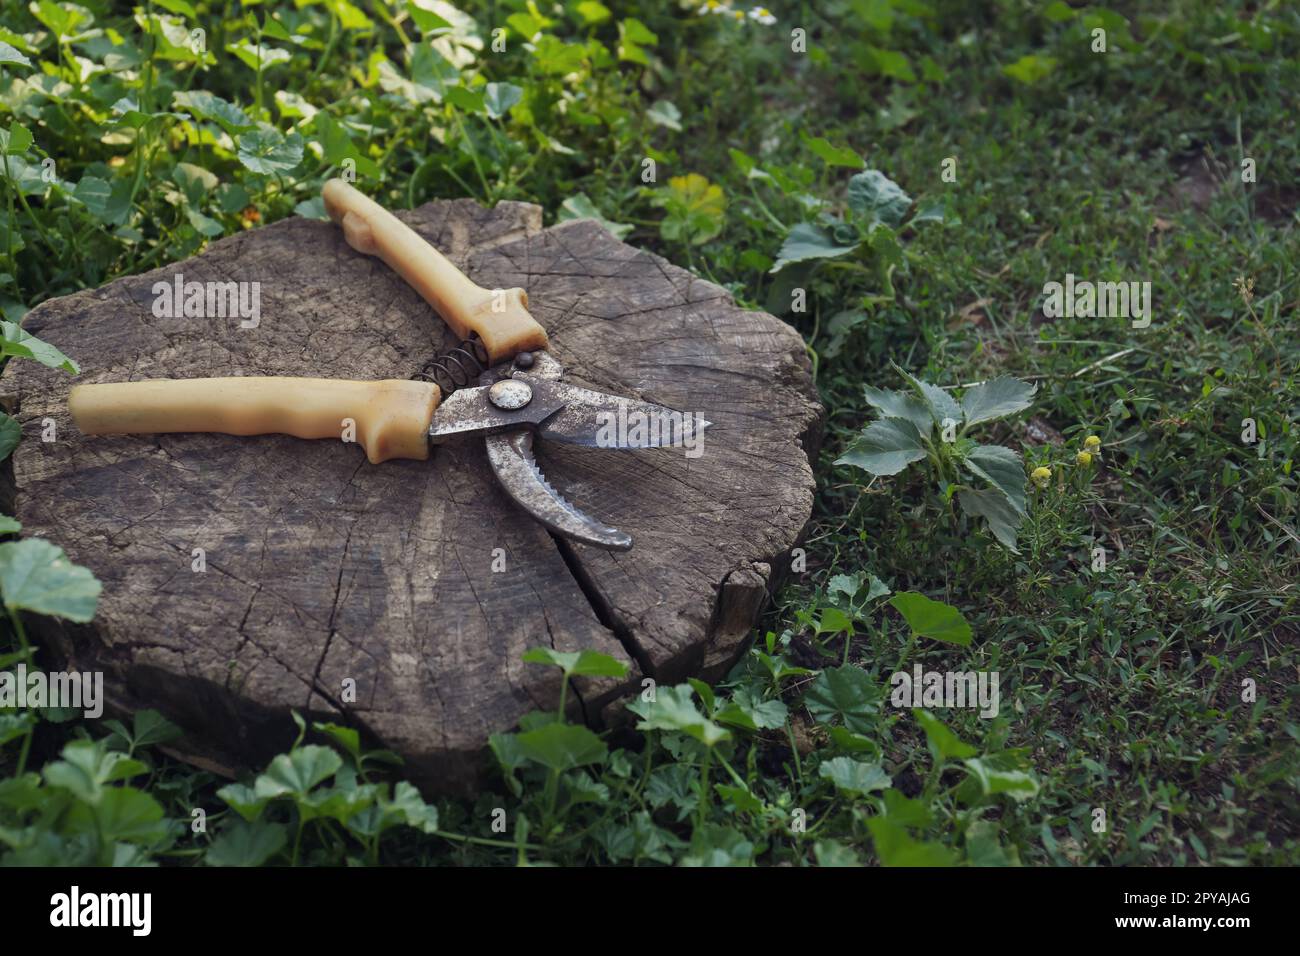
(499, 316)
(389, 418)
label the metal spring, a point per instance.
(456, 367)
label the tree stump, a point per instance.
(323, 569)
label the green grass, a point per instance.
(1122, 689)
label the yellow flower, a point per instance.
(1092, 443)
(1041, 476)
(1084, 458)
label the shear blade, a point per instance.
(598, 420)
(511, 455)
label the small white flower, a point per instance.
(711, 6)
(763, 15)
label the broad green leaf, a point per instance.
(847, 693)
(9, 54)
(468, 101)
(896, 847)
(337, 146)
(674, 709)
(877, 198)
(37, 576)
(498, 98)
(840, 327)
(1017, 784)
(746, 709)
(994, 508)
(254, 55)
(996, 398)
(933, 619)
(1031, 68)
(10, 525)
(592, 12)
(808, 241)
(696, 209)
(121, 813)
(1002, 468)
(427, 21)
(580, 207)
(296, 772)
(212, 107)
(854, 776)
(11, 434)
(267, 151)
(16, 140)
(900, 405)
(942, 405)
(247, 844)
(562, 747)
(408, 807)
(739, 797)
(891, 63)
(666, 114)
(885, 447)
(943, 742)
(95, 194)
(830, 853)
(577, 663)
(20, 343)
(243, 800)
(86, 768)
(832, 155)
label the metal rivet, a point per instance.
(510, 394)
(524, 360)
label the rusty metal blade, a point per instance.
(511, 456)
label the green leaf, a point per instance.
(37, 576)
(832, 155)
(674, 709)
(86, 768)
(901, 405)
(9, 54)
(9, 525)
(592, 12)
(122, 813)
(296, 772)
(891, 63)
(839, 328)
(666, 114)
(993, 779)
(885, 447)
(1002, 468)
(243, 800)
(877, 198)
(562, 747)
(808, 241)
(1031, 68)
(577, 663)
(994, 508)
(20, 343)
(994, 399)
(16, 141)
(854, 776)
(933, 619)
(847, 693)
(943, 742)
(739, 797)
(696, 210)
(942, 405)
(427, 21)
(580, 207)
(498, 98)
(11, 434)
(212, 107)
(95, 194)
(408, 807)
(749, 711)
(830, 853)
(895, 846)
(247, 844)
(267, 151)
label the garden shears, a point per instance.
(518, 395)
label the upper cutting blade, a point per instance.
(599, 420)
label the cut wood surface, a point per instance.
(325, 573)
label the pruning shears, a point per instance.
(518, 395)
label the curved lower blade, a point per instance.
(511, 455)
